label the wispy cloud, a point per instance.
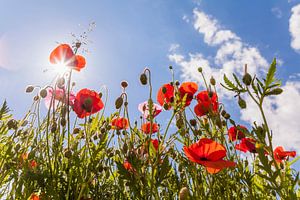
(277, 12)
(295, 27)
(231, 55)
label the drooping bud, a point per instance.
(29, 89)
(53, 128)
(12, 124)
(212, 81)
(177, 83)
(119, 102)
(227, 116)
(124, 84)
(193, 122)
(247, 79)
(63, 122)
(275, 91)
(76, 131)
(184, 193)
(61, 82)
(144, 79)
(43, 93)
(223, 113)
(68, 153)
(242, 103)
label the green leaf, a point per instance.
(228, 82)
(271, 73)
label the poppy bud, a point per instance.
(63, 122)
(68, 153)
(43, 93)
(125, 147)
(119, 102)
(177, 83)
(12, 124)
(200, 69)
(179, 123)
(223, 113)
(29, 89)
(242, 103)
(166, 106)
(193, 122)
(102, 130)
(36, 98)
(61, 82)
(124, 84)
(126, 103)
(170, 67)
(78, 44)
(73, 84)
(100, 95)
(212, 81)
(144, 79)
(76, 131)
(276, 91)
(184, 193)
(247, 79)
(227, 116)
(53, 128)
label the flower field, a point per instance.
(78, 151)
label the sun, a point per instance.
(61, 68)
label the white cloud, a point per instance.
(283, 113)
(173, 47)
(231, 55)
(186, 18)
(277, 12)
(295, 27)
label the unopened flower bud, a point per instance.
(119, 102)
(200, 69)
(170, 67)
(227, 116)
(12, 124)
(68, 153)
(63, 122)
(177, 83)
(36, 98)
(144, 79)
(78, 44)
(184, 193)
(242, 103)
(61, 82)
(247, 79)
(124, 84)
(193, 122)
(43, 93)
(166, 106)
(76, 131)
(212, 81)
(275, 91)
(223, 113)
(53, 128)
(29, 89)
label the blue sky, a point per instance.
(130, 35)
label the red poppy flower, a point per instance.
(119, 123)
(33, 164)
(127, 166)
(165, 95)
(187, 90)
(247, 144)
(34, 197)
(155, 143)
(281, 155)
(208, 153)
(146, 128)
(236, 133)
(206, 103)
(63, 54)
(87, 102)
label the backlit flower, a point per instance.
(144, 109)
(206, 103)
(281, 155)
(87, 102)
(54, 97)
(208, 153)
(155, 143)
(127, 166)
(119, 123)
(165, 95)
(34, 197)
(235, 133)
(187, 91)
(247, 144)
(146, 127)
(64, 55)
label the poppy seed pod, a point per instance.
(29, 89)
(119, 102)
(212, 81)
(242, 103)
(247, 79)
(184, 193)
(43, 93)
(144, 79)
